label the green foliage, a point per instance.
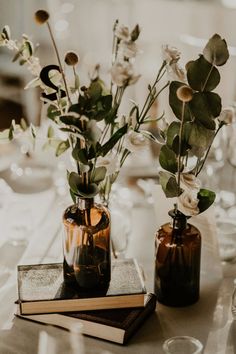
(216, 51)
(202, 76)
(206, 199)
(168, 160)
(169, 184)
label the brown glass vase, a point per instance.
(177, 262)
(86, 245)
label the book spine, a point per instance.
(151, 306)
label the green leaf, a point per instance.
(50, 133)
(169, 184)
(71, 120)
(99, 174)
(176, 104)
(11, 131)
(77, 82)
(53, 112)
(205, 106)
(28, 47)
(202, 76)
(216, 51)
(95, 90)
(93, 132)
(206, 199)
(172, 141)
(74, 180)
(62, 147)
(7, 33)
(168, 160)
(23, 124)
(73, 196)
(104, 149)
(155, 138)
(199, 137)
(87, 192)
(80, 154)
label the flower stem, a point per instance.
(180, 146)
(59, 61)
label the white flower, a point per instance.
(110, 161)
(122, 32)
(188, 203)
(190, 182)
(34, 66)
(175, 72)
(170, 54)
(227, 115)
(128, 49)
(122, 73)
(134, 141)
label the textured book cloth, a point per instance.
(41, 289)
(116, 325)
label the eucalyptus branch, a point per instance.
(59, 60)
(208, 76)
(180, 146)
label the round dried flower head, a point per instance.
(71, 58)
(41, 16)
(184, 93)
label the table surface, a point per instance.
(209, 320)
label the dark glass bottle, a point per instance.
(86, 245)
(177, 264)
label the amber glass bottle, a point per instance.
(177, 264)
(86, 245)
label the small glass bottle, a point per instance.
(233, 305)
(177, 265)
(86, 245)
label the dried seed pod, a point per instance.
(184, 93)
(71, 58)
(41, 16)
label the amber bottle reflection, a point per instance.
(86, 245)
(177, 264)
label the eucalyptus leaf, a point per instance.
(202, 75)
(199, 138)
(168, 160)
(87, 191)
(98, 174)
(62, 147)
(206, 199)
(74, 180)
(157, 138)
(216, 51)
(95, 90)
(205, 106)
(176, 104)
(80, 154)
(169, 184)
(73, 196)
(104, 149)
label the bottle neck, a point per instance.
(179, 220)
(84, 203)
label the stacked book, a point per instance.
(114, 316)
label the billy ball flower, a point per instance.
(71, 58)
(41, 16)
(184, 93)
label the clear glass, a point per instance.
(86, 245)
(226, 231)
(177, 268)
(182, 345)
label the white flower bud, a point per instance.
(188, 203)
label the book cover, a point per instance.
(41, 289)
(116, 325)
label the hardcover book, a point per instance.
(41, 289)
(116, 325)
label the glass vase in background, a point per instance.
(177, 263)
(86, 245)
